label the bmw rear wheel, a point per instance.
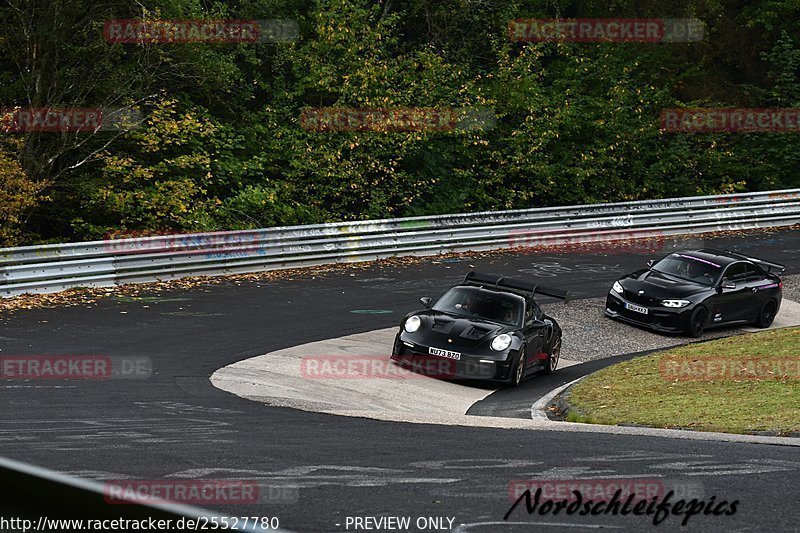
(767, 315)
(697, 322)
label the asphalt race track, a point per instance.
(326, 468)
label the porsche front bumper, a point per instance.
(417, 357)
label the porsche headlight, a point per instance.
(501, 342)
(412, 324)
(675, 303)
(617, 287)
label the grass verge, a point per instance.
(743, 384)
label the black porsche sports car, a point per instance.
(488, 327)
(691, 291)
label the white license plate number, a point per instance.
(444, 353)
(637, 308)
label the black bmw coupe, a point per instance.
(488, 327)
(691, 291)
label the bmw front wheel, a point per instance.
(697, 322)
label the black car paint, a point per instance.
(472, 337)
(725, 305)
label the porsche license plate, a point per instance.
(444, 353)
(637, 308)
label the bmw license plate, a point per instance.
(637, 308)
(444, 353)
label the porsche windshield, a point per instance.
(689, 268)
(473, 302)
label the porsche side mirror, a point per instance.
(727, 284)
(650, 263)
(426, 302)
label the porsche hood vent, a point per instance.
(442, 325)
(445, 326)
(476, 332)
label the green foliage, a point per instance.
(18, 194)
(165, 185)
(262, 206)
(223, 145)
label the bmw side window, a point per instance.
(755, 273)
(736, 273)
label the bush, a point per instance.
(18, 195)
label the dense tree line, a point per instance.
(222, 144)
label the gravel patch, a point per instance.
(589, 335)
(791, 287)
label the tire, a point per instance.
(551, 363)
(516, 378)
(396, 348)
(697, 322)
(767, 315)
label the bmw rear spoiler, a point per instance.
(515, 285)
(769, 265)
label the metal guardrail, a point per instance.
(55, 267)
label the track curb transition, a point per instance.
(275, 379)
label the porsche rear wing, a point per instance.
(514, 285)
(769, 265)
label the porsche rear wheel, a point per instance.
(767, 315)
(697, 322)
(551, 363)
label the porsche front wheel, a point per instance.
(519, 371)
